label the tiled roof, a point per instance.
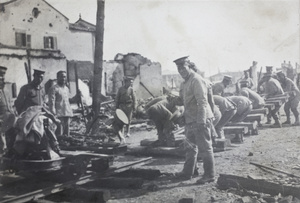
(83, 25)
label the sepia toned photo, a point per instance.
(149, 101)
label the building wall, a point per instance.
(79, 45)
(85, 70)
(18, 17)
(14, 61)
(151, 76)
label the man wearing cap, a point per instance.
(59, 103)
(257, 101)
(218, 88)
(273, 88)
(126, 101)
(31, 94)
(243, 107)
(246, 80)
(269, 70)
(227, 109)
(214, 108)
(198, 118)
(160, 113)
(294, 97)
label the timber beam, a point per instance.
(252, 126)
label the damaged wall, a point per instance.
(85, 70)
(14, 61)
(142, 70)
(133, 65)
(151, 77)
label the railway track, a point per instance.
(11, 193)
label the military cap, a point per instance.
(269, 68)
(227, 77)
(181, 60)
(2, 70)
(122, 116)
(280, 73)
(38, 71)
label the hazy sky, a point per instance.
(217, 35)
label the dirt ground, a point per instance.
(278, 148)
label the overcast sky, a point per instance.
(217, 35)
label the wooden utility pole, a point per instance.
(98, 60)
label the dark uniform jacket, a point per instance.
(29, 95)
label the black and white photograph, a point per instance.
(150, 101)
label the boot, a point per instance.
(277, 124)
(209, 169)
(288, 119)
(269, 118)
(288, 115)
(182, 176)
(297, 122)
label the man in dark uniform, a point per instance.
(269, 71)
(273, 88)
(219, 87)
(126, 101)
(31, 94)
(160, 113)
(246, 80)
(257, 101)
(292, 104)
(228, 110)
(243, 107)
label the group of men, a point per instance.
(206, 111)
(277, 84)
(206, 108)
(204, 116)
(56, 104)
(58, 101)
